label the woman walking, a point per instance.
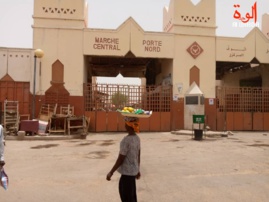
(128, 161)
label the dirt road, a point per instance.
(174, 168)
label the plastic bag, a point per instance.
(3, 179)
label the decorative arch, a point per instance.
(195, 75)
(57, 93)
(57, 72)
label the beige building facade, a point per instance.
(187, 55)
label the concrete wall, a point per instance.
(183, 17)
(241, 49)
(18, 64)
(66, 46)
(128, 37)
(58, 31)
(192, 24)
(183, 62)
(265, 23)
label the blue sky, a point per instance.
(16, 17)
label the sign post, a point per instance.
(198, 119)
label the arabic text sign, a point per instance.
(198, 118)
(245, 18)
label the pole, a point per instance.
(33, 104)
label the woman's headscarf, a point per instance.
(133, 122)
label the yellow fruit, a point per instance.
(125, 108)
(130, 109)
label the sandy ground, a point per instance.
(174, 168)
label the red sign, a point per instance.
(237, 15)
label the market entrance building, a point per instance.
(131, 52)
(186, 69)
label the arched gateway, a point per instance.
(230, 74)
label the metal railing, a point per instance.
(110, 97)
(242, 99)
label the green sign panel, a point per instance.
(198, 118)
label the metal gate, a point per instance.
(242, 108)
(16, 91)
(103, 100)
